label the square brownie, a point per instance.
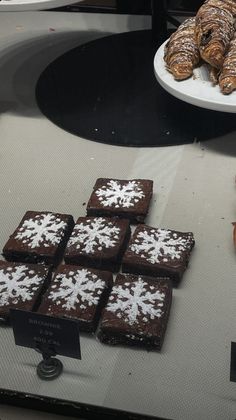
(78, 293)
(98, 242)
(158, 252)
(123, 198)
(40, 237)
(21, 286)
(137, 312)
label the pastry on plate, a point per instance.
(181, 51)
(215, 29)
(227, 78)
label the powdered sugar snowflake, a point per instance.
(96, 233)
(135, 301)
(77, 287)
(44, 228)
(17, 283)
(158, 244)
(118, 195)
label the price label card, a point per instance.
(233, 363)
(38, 331)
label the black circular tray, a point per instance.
(106, 91)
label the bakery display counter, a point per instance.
(46, 168)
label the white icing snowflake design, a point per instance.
(18, 283)
(118, 195)
(44, 228)
(158, 244)
(80, 286)
(96, 234)
(135, 301)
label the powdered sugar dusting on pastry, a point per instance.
(120, 195)
(95, 234)
(77, 287)
(45, 228)
(17, 283)
(136, 302)
(156, 244)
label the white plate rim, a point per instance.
(194, 90)
(24, 5)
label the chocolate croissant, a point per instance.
(227, 78)
(181, 52)
(215, 29)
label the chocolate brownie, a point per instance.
(21, 286)
(137, 312)
(40, 237)
(98, 242)
(158, 252)
(123, 198)
(79, 293)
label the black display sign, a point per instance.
(46, 333)
(233, 363)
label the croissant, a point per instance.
(181, 52)
(215, 29)
(227, 78)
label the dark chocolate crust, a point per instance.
(158, 252)
(148, 329)
(21, 250)
(24, 274)
(136, 212)
(86, 312)
(101, 256)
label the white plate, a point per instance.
(198, 90)
(22, 5)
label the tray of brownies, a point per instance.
(64, 268)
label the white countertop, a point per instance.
(44, 168)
